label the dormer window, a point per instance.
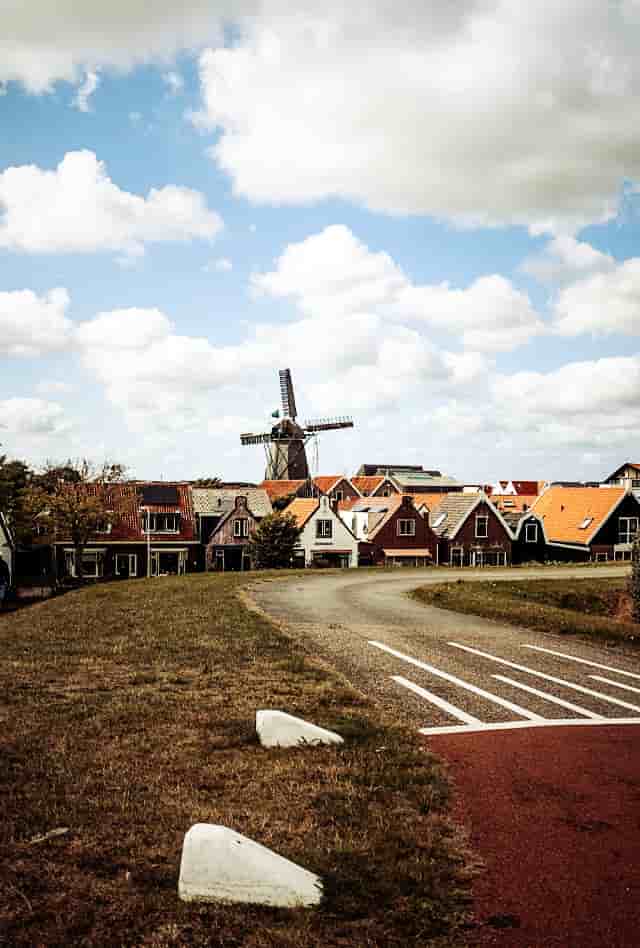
(161, 522)
(241, 527)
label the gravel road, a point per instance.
(338, 614)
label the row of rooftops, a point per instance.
(570, 512)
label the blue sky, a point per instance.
(430, 216)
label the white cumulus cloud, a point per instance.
(77, 208)
(481, 112)
(333, 273)
(32, 416)
(605, 303)
(31, 325)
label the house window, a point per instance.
(386, 492)
(601, 557)
(585, 523)
(482, 526)
(627, 529)
(338, 495)
(92, 563)
(324, 529)
(126, 564)
(354, 524)
(406, 528)
(531, 533)
(241, 527)
(161, 522)
(457, 556)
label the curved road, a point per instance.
(338, 615)
(552, 810)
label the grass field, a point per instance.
(591, 607)
(127, 715)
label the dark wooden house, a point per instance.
(399, 536)
(470, 531)
(228, 546)
(589, 523)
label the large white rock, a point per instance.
(220, 865)
(277, 729)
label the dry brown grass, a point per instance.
(127, 715)
(594, 608)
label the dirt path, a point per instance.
(552, 810)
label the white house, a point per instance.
(325, 540)
(6, 544)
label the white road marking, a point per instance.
(616, 684)
(439, 702)
(557, 681)
(509, 705)
(552, 698)
(582, 661)
(514, 725)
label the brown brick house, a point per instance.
(228, 545)
(391, 531)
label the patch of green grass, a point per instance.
(588, 607)
(128, 715)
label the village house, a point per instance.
(391, 531)
(228, 546)
(152, 533)
(529, 544)
(325, 539)
(589, 523)
(337, 488)
(470, 531)
(211, 504)
(627, 475)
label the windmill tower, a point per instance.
(285, 445)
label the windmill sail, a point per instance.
(286, 442)
(286, 392)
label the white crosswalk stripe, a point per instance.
(470, 722)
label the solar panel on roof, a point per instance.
(160, 494)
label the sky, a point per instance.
(429, 212)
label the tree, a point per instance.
(14, 478)
(74, 501)
(274, 541)
(280, 503)
(634, 580)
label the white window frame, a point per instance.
(95, 556)
(150, 522)
(241, 527)
(527, 528)
(406, 528)
(338, 495)
(324, 529)
(132, 563)
(630, 532)
(485, 518)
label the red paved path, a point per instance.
(555, 814)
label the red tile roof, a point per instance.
(325, 484)
(564, 509)
(302, 508)
(367, 485)
(276, 489)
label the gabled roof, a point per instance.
(458, 507)
(276, 489)
(618, 470)
(393, 504)
(517, 502)
(517, 521)
(367, 485)
(430, 500)
(326, 484)
(564, 509)
(302, 509)
(209, 501)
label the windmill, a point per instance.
(285, 444)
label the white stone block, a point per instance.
(220, 865)
(277, 729)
